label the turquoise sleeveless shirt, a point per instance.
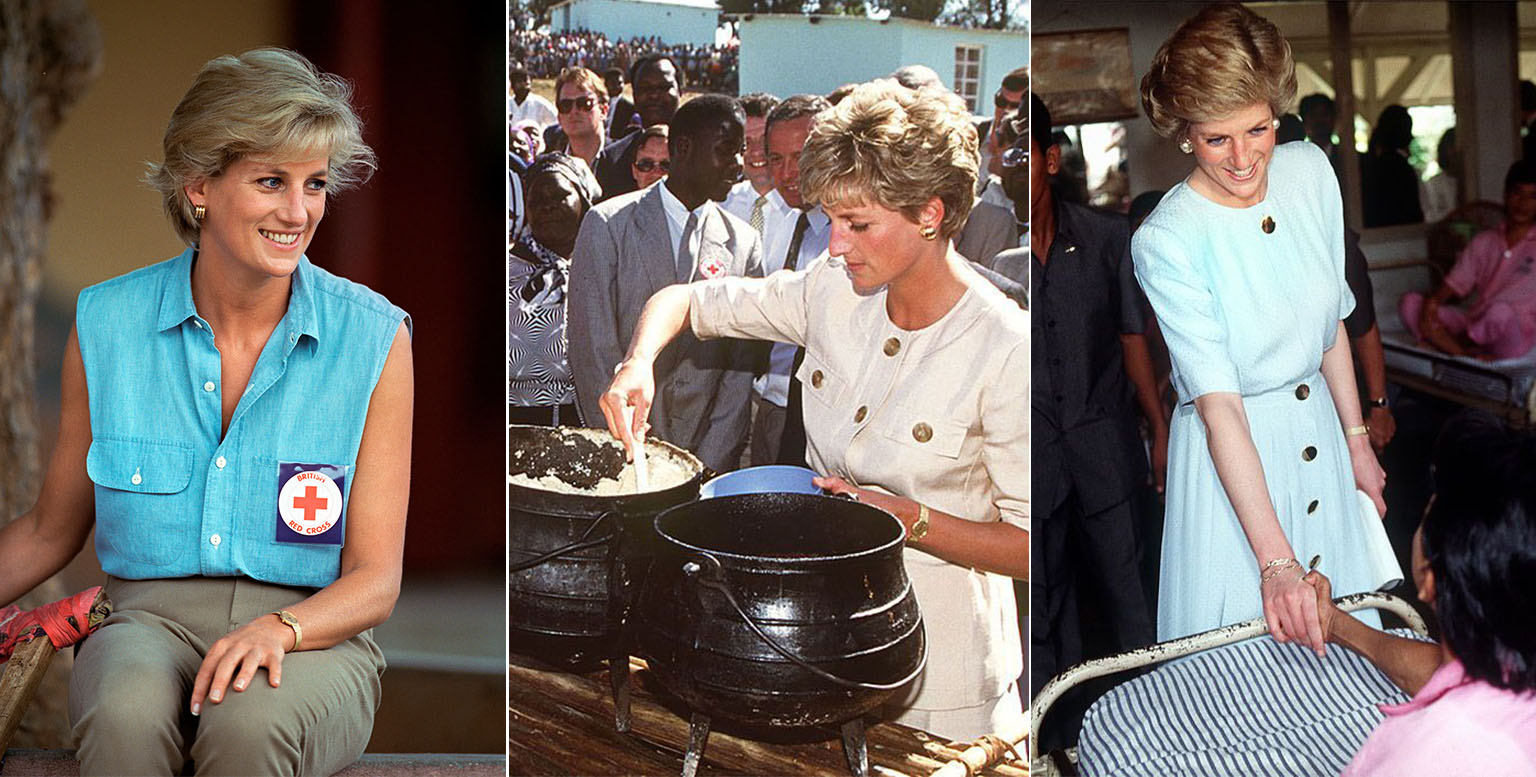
(172, 498)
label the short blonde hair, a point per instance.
(267, 103)
(1218, 62)
(582, 78)
(897, 148)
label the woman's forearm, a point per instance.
(995, 546)
(664, 316)
(1242, 474)
(1408, 663)
(1339, 372)
(359, 600)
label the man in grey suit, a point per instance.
(636, 244)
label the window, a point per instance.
(968, 74)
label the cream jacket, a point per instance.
(938, 415)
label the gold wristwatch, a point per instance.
(291, 622)
(920, 526)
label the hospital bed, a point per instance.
(1230, 701)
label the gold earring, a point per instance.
(1186, 146)
(199, 212)
(928, 233)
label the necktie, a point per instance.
(685, 249)
(792, 440)
(792, 257)
(757, 213)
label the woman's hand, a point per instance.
(1369, 476)
(901, 507)
(633, 386)
(1327, 611)
(1290, 610)
(237, 655)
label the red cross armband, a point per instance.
(311, 508)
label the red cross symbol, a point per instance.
(309, 503)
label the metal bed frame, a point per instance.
(1041, 763)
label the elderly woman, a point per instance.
(1474, 564)
(1243, 262)
(560, 190)
(651, 156)
(236, 425)
(914, 379)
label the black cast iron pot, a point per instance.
(578, 560)
(780, 609)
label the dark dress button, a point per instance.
(1303, 391)
(1308, 453)
(1312, 508)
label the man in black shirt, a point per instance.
(1088, 315)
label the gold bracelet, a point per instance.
(1355, 431)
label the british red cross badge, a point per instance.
(712, 268)
(310, 503)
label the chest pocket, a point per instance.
(928, 431)
(818, 381)
(138, 514)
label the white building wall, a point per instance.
(673, 23)
(787, 54)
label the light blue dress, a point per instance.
(1251, 312)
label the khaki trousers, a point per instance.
(132, 685)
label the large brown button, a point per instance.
(1303, 391)
(1308, 453)
(1268, 225)
(892, 347)
(1312, 508)
(816, 378)
(922, 432)
(858, 415)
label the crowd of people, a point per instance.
(546, 54)
(725, 268)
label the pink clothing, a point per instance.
(1503, 317)
(1453, 725)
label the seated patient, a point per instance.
(1497, 266)
(1474, 562)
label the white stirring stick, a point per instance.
(637, 450)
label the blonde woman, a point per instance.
(1243, 262)
(236, 426)
(915, 379)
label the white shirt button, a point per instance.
(208, 386)
(215, 540)
(136, 479)
(219, 462)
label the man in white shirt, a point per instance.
(790, 242)
(523, 104)
(749, 199)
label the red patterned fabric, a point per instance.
(65, 622)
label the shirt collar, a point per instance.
(676, 211)
(176, 305)
(1447, 678)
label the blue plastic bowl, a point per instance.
(768, 479)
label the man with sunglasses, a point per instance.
(1008, 100)
(582, 100)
